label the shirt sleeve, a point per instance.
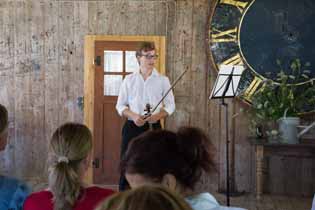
(169, 101)
(122, 101)
(19, 197)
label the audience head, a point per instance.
(3, 127)
(175, 160)
(144, 198)
(69, 148)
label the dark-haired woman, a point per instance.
(175, 160)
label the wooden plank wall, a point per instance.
(41, 73)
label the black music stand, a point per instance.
(226, 87)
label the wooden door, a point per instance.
(116, 60)
(113, 60)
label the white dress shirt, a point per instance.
(135, 93)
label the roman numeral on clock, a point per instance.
(229, 35)
(239, 4)
(234, 60)
(252, 88)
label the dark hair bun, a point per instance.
(184, 154)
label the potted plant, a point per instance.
(282, 101)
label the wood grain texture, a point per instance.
(7, 79)
(42, 71)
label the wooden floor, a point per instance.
(268, 202)
(247, 201)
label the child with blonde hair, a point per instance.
(145, 198)
(70, 146)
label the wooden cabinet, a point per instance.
(297, 161)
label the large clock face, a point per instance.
(260, 35)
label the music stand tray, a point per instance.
(227, 82)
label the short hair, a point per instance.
(144, 198)
(145, 46)
(184, 154)
(3, 118)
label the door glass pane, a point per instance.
(112, 84)
(131, 61)
(113, 61)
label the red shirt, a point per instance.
(89, 198)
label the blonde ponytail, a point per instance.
(69, 146)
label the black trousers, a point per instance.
(131, 130)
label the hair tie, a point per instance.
(63, 159)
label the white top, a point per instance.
(135, 93)
(205, 201)
(202, 201)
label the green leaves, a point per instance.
(273, 99)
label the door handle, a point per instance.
(96, 163)
(97, 61)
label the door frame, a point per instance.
(89, 78)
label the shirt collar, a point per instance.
(154, 72)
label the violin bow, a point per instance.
(167, 92)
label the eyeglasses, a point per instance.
(150, 56)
